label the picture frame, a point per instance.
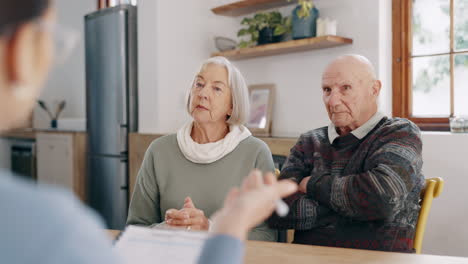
(261, 97)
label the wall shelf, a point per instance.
(240, 8)
(321, 42)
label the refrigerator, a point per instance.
(111, 108)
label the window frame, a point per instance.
(402, 67)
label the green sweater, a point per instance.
(166, 177)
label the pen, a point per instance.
(282, 208)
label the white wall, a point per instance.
(299, 105)
(165, 74)
(385, 55)
(445, 155)
(147, 65)
(67, 80)
(173, 41)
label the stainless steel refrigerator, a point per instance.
(111, 106)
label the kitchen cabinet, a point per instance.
(61, 160)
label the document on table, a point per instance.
(141, 245)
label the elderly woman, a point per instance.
(185, 176)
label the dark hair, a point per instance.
(16, 12)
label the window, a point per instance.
(430, 61)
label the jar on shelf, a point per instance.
(304, 27)
(458, 124)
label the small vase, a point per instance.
(304, 27)
(53, 123)
(266, 36)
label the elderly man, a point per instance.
(360, 177)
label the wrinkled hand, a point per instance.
(189, 217)
(303, 184)
(252, 204)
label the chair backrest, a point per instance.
(432, 189)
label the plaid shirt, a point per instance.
(363, 193)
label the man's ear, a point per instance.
(376, 87)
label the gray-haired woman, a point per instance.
(185, 176)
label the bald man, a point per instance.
(360, 177)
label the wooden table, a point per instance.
(282, 253)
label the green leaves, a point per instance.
(306, 6)
(246, 44)
(242, 32)
(284, 27)
(255, 35)
(281, 25)
(246, 21)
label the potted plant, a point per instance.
(304, 20)
(264, 28)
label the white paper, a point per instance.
(144, 245)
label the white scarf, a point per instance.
(209, 152)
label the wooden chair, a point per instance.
(277, 173)
(432, 189)
(289, 232)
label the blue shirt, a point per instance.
(47, 225)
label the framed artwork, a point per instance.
(261, 108)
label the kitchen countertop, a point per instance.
(31, 133)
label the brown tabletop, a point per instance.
(282, 253)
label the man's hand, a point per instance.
(303, 184)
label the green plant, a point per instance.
(306, 6)
(259, 21)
